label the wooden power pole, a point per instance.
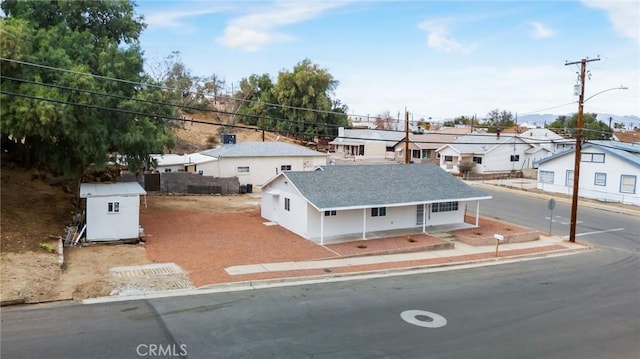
(578, 152)
(406, 136)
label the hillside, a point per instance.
(192, 137)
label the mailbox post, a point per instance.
(499, 238)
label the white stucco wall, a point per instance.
(613, 167)
(104, 226)
(261, 169)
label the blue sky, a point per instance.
(438, 59)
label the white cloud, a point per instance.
(439, 38)
(179, 19)
(257, 29)
(540, 31)
(624, 15)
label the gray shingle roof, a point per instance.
(261, 149)
(482, 143)
(364, 186)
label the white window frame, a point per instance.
(592, 157)
(600, 179)
(330, 213)
(243, 169)
(547, 177)
(378, 211)
(285, 168)
(287, 204)
(568, 179)
(628, 187)
(113, 207)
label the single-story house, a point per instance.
(338, 201)
(609, 171)
(113, 210)
(422, 147)
(492, 153)
(366, 144)
(256, 162)
(191, 162)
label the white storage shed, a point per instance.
(113, 210)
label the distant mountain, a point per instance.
(630, 122)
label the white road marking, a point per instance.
(434, 320)
(597, 232)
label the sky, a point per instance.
(436, 59)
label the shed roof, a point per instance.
(261, 149)
(364, 186)
(110, 189)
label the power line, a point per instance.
(146, 84)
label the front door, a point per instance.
(419, 215)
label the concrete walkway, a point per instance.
(462, 253)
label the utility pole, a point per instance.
(578, 152)
(406, 136)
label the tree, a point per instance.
(384, 121)
(592, 129)
(66, 117)
(465, 167)
(498, 120)
(305, 95)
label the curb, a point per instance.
(342, 277)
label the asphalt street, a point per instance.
(576, 306)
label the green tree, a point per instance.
(592, 128)
(305, 97)
(497, 119)
(59, 115)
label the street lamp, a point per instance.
(578, 154)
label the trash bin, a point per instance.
(249, 188)
(243, 189)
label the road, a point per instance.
(577, 306)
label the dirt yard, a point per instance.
(201, 234)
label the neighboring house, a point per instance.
(192, 163)
(548, 139)
(627, 136)
(338, 201)
(256, 162)
(609, 171)
(366, 144)
(492, 153)
(422, 147)
(113, 210)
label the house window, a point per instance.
(243, 169)
(426, 154)
(546, 177)
(444, 207)
(415, 154)
(167, 169)
(287, 204)
(330, 213)
(379, 212)
(448, 158)
(477, 160)
(600, 179)
(569, 179)
(627, 184)
(515, 158)
(285, 168)
(592, 157)
(113, 207)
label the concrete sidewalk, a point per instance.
(461, 253)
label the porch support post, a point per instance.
(321, 228)
(477, 212)
(424, 218)
(364, 223)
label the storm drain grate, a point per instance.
(159, 269)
